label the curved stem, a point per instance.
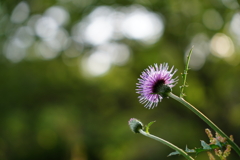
(205, 119)
(166, 143)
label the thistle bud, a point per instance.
(135, 125)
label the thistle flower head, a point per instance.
(155, 83)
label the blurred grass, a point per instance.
(49, 110)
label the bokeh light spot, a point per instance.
(200, 51)
(59, 14)
(231, 4)
(101, 59)
(143, 25)
(118, 53)
(98, 31)
(96, 64)
(24, 37)
(222, 46)
(13, 52)
(20, 13)
(235, 25)
(59, 41)
(105, 24)
(46, 27)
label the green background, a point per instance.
(50, 110)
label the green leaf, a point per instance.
(199, 150)
(214, 146)
(190, 150)
(173, 153)
(186, 150)
(148, 126)
(218, 143)
(205, 145)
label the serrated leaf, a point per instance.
(218, 143)
(173, 153)
(205, 145)
(199, 150)
(190, 150)
(148, 126)
(187, 151)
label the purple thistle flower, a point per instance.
(154, 83)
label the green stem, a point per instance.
(166, 143)
(205, 119)
(184, 76)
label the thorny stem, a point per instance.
(184, 75)
(207, 120)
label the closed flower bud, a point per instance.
(135, 125)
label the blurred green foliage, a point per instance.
(51, 109)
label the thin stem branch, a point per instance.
(207, 120)
(166, 143)
(184, 76)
